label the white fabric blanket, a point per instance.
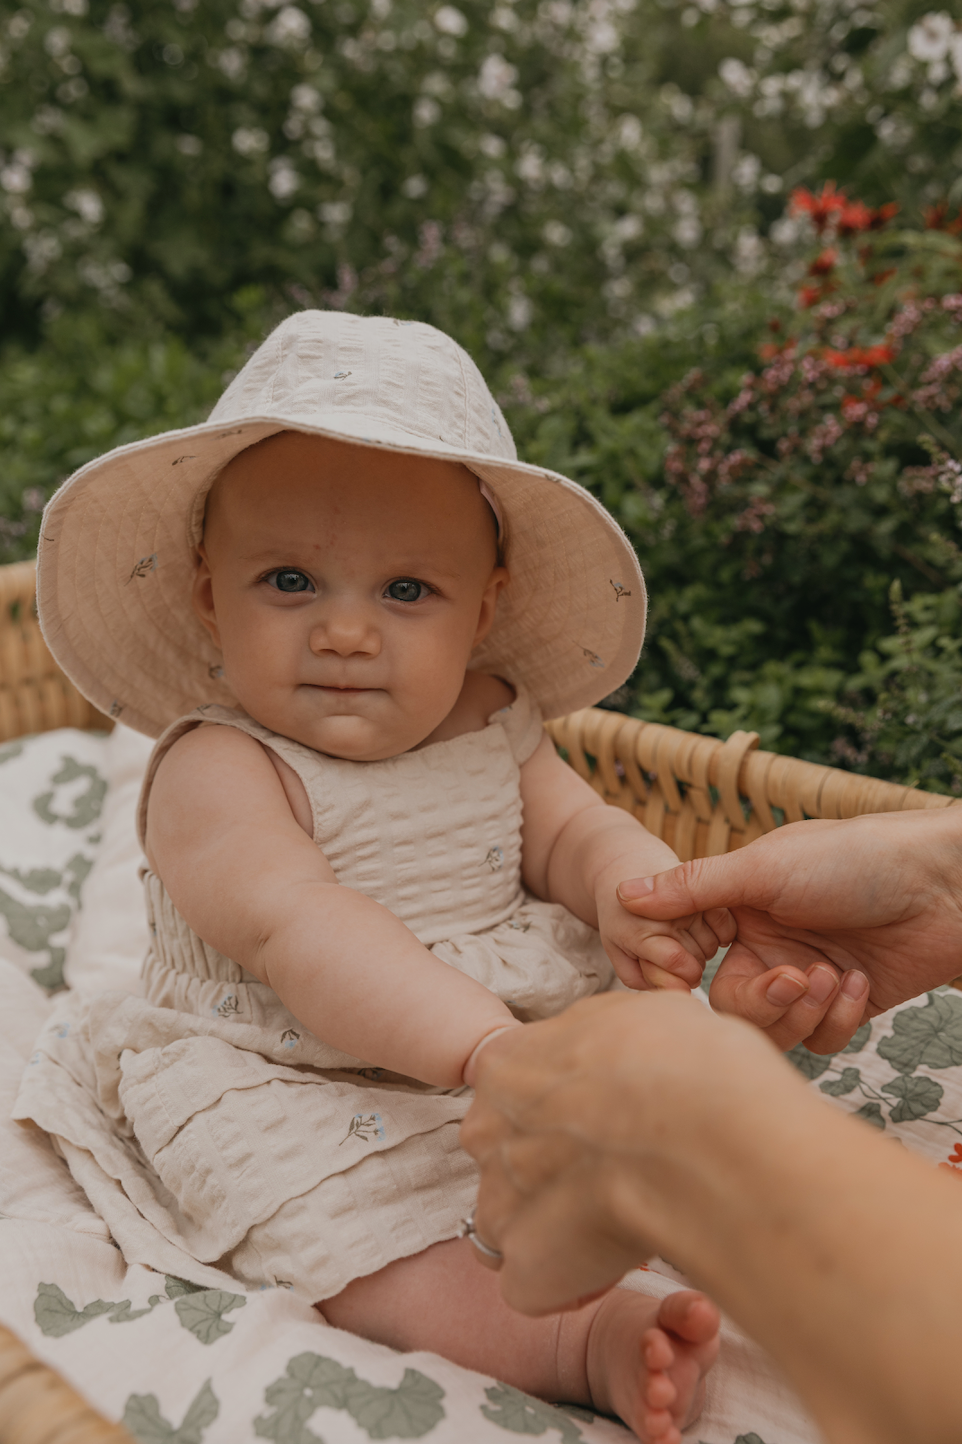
(215, 1365)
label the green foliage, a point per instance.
(203, 1313)
(930, 1034)
(519, 1413)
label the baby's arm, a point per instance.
(246, 877)
(576, 849)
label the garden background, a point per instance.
(709, 254)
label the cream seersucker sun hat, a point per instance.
(118, 543)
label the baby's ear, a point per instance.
(202, 596)
(498, 579)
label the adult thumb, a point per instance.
(692, 887)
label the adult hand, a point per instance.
(837, 921)
(584, 1124)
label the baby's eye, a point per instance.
(406, 590)
(289, 580)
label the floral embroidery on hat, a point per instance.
(215, 672)
(619, 589)
(179, 459)
(115, 708)
(143, 567)
(592, 657)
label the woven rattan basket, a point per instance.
(704, 797)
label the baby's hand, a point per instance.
(648, 954)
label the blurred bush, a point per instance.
(591, 195)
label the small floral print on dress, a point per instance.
(495, 858)
(143, 567)
(619, 589)
(366, 1128)
(521, 924)
(289, 1037)
(227, 1007)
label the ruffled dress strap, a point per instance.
(523, 724)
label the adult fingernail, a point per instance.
(822, 983)
(854, 985)
(636, 887)
(785, 990)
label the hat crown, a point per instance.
(397, 375)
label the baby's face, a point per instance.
(346, 588)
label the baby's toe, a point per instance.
(689, 1315)
(656, 1350)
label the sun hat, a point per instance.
(117, 549)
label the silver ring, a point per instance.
(468, 1231)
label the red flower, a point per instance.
(937, 219)
(820, 207)
(853, 217)
(859, 356)
(823, 264)
(809, 296)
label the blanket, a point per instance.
(187, 1362)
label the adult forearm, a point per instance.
(360, 980)
(839, 1252)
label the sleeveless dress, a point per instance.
(239, 1137)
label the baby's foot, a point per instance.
(647, 1360)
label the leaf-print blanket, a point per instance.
(185, 1364)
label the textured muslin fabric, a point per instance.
(238, 1139)
(117, 551)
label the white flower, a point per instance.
(414, 187)
(930, 39)
(492, 146)
(426, 111)
(687, 231)
(249, 141)
(335, 213)
(601, 38)
(496, 77)
(87, 204)
(737, 76)
(520, 312)
(305, 98)
(290, 27)
(189, 144)
(232, 62)
(283, 179)
(627, 129)
(556, 233)
(15, 178)
(450, 21)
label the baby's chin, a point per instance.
(348, 736)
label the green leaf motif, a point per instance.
(917, 1097)
(838, 1087)
(311, 1382)
(56, 1315)
(85, 807)
(203, 1313)
(31, 928)
(810, 1065)
(929, 1034)
(520, 1414)
(177, 1288)
(143, 1419)
(408, 1412)
(858, 1040)
(872, 1113)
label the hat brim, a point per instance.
(117, 557)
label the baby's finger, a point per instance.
(671, 958)
(704, 938)
(722, 924)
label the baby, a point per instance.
(365, 858)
